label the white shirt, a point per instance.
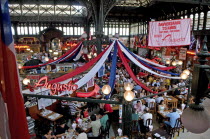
(159, 99)
(181, 84)
(149, 101)
(183, 92)
(145, 117)
(82, 136)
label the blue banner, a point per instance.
(101, 71)
(113, 71)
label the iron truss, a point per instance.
(31, 12)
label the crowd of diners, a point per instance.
(142, 109)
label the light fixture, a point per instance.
(55, 53)
(31, 51)
(28, 49)
(89, 56)
(46, 59)
(106, 89)
(26, 81)
(95, 54)
(55, 58)
(186, 72)
(168, 61)
(180, 62)
(20, 66)
(184, 76)
(196, 119)
(129, 95)
(128, 86)
(174, 63)
(50, 51)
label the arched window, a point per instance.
(196, 21)
(201, 21)
(208, 20)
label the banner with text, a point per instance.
(169, 33)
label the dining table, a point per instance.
(165, 112)
(171, 100)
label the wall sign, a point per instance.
(55, 87)
(182, 53)
(169, 33)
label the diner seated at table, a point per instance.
(139, 107)
(149, 100)
(80, 134)
(93, 131)
(73, 108)
(48, 134)
(181, 83)
(159, 98)
(135, 117)
(78, 116)
(103, 119)
(183, 91)
(61, 129)
(85, 112)
(146, 116)
(162, 106)
(173, 117)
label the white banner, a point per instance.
(169, 33)
(182, 53)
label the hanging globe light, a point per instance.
(55, 58)
(180, 62)
(186, 72)
(196, 119)
(106, 89)
(129, 95)
(174, 63)
(26, 81)
(168, 61)
(20, 66)
(128, 86)
(50, 51)
(184, 76)
(46, 59)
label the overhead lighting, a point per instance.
(186, 72)
(184, 76)
(50, 51)
(128, 86)
(106, 89)
(26, 81)
(168, 61)
(46, 59)
(55, 53)
(180, 62)
(174, 63)
(129, 95)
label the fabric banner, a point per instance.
(90, 83)
(113, 71)
(130, 72)
(101, 71)
(60, 59)
(182, 53)
(11, 104)
(79, 70)
(96, 68)
(169, 33)
(142, 66)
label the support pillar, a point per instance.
(127, 118)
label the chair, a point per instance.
(152, 107)
(176, 128)
(106, 130)
(135, 128)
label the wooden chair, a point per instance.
(176, 128)
(152, 107)
(135, 128)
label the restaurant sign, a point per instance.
(55, 87)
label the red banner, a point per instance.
(169, 33)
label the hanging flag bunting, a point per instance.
(130, 72)
(90, 83)
(80, 69)
(142, 66)
(11, 100)
(96, 68)
(113, 71)
(101, 71)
